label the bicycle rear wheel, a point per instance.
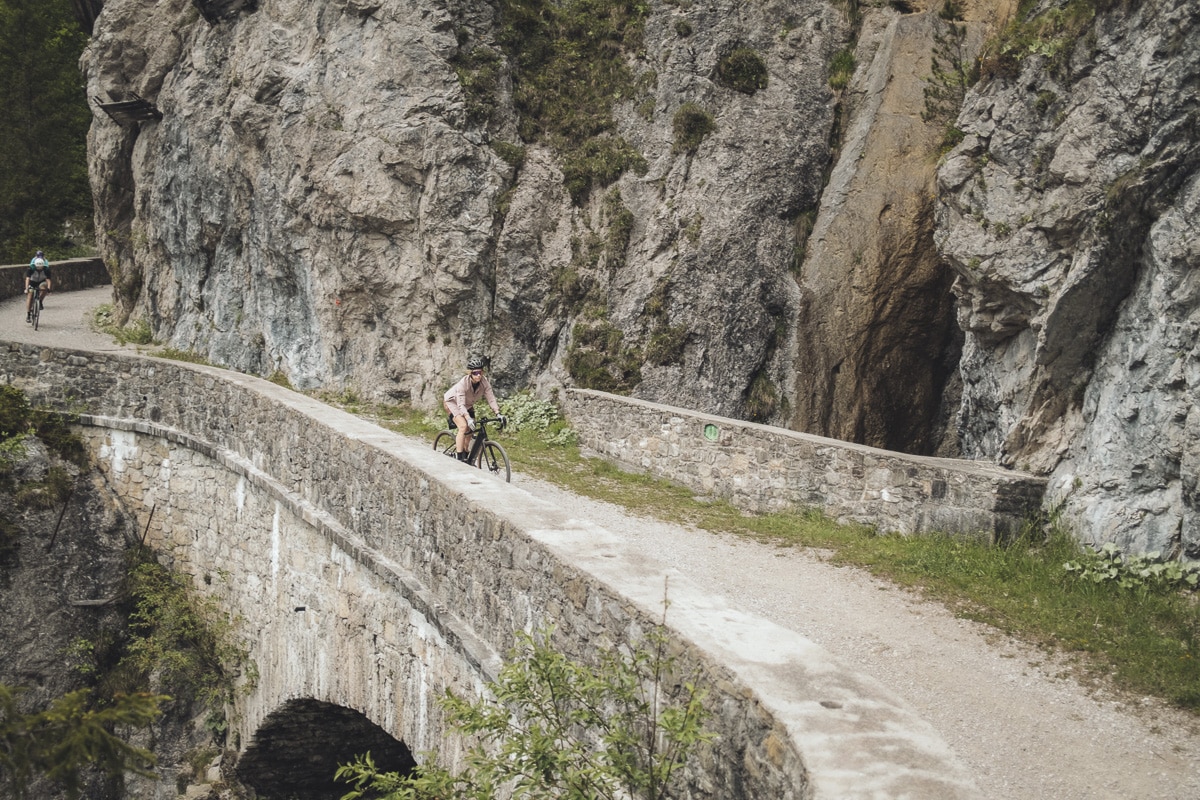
(494, 460)
(444, 443)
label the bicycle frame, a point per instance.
(478, 437)
(484, 452)
(35, 305)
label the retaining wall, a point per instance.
(480, 559)
(762, 468)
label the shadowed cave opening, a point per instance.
(299, 746)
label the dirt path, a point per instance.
(1022, 728)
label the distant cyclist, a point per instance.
(37, 275)
(460, 404)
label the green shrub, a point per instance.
(512, 154)
(622, 728)
(15, 412)
(570, 64)
(279, 379)
(743, 70)
(55, 432)
(137, 331)
(690, 125)
(181, 637)
(479, 70)
(762, 401)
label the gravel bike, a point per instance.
(35, 307)
(485, 453)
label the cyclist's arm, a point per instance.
(456, 399)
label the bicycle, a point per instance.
(35, 306)
(485, 453)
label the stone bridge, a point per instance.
(368, 576)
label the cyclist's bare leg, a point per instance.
(462, 440)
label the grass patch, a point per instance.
(188, 356)
(1141, 638)
(136, 331)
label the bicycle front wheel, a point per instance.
(494, 460)
(444, 443)
(37, 311)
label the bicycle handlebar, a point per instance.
(488, 420)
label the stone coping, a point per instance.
(764, 468)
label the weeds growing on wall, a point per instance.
(182, 637)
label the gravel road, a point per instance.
(1024, 728)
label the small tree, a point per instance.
(59, 742)
(556, 728)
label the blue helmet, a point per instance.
(40, 254)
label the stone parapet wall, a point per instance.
(762, 468)
(67, 276)
(345, 509)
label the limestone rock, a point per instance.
(1069, 212)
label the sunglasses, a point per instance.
(476, 372)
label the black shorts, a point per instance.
(450, 419)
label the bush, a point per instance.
(742, 70)
(690, 125)
(1139, 571)
(525, 412)
(559, 728)
(15, 412)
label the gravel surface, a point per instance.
(1024, 728)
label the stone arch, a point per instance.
(299, 746)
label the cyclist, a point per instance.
(37, 274)
(459, 402)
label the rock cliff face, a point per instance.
(1069, 212)
(322, 198)
(359, 193)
